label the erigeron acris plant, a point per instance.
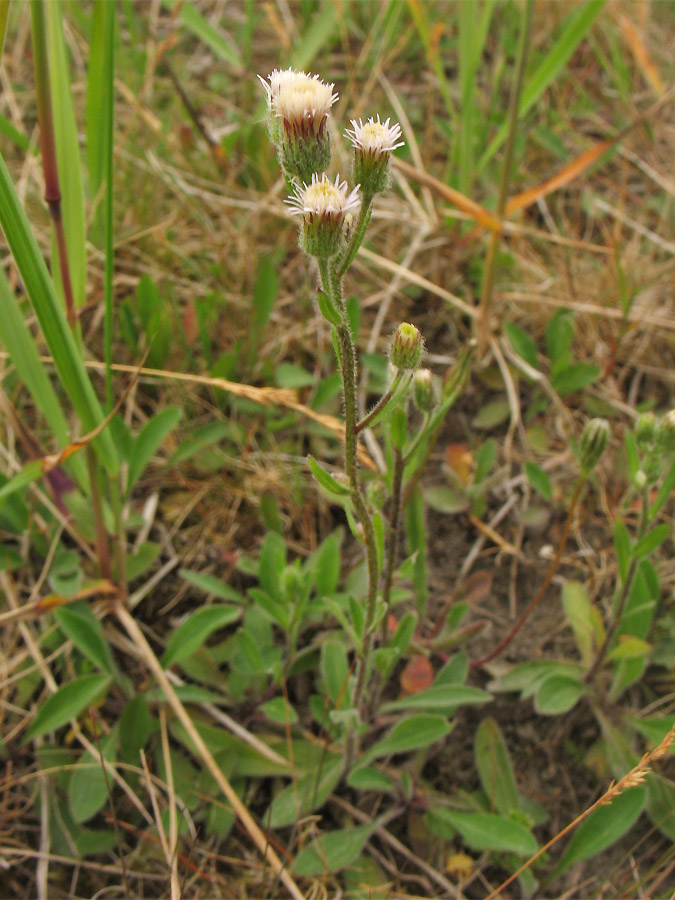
(333, 221)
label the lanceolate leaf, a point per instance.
(67, 703)
(484, 831)
(332, 851)
(604, 827)
(194, 631)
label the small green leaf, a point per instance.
(398, 427)
(83, 628)
(135, 727)
(629, 647)
(622, 548)
(603, 827)
(491, 415)
(278, 710)
(288, 375)
(650, 541)
(333, 851)
(306, 795)
(368, 778)
(327, 309)
(539, 480)
(189, 636)
(445, 500)
(522, 343)
(334, 669)
(87, 786)
(212, 586)
(149, 441)
(494, 767)
(410, 734)
(557, 694)
(575, 377)
(578, 612)
(67, 703)
(326, 480)
(442, 697)
(485, 831)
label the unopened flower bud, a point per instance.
(323, 206)
(666, 432)
(646, 428)
(640, 479)
(299, 105)
(423, 390)
(594, 441)
(373, 144)
(407, 347)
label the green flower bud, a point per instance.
(594, 441)
(407, 347)
(666, 432)
(646, 429)
(373, 145)
(423, 390)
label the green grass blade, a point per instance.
(195, 22)
(576, 26)
(98, 122)
(16, 337)
(67, 155)
(4, 12)
(51, 317)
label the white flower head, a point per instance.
(326, 210)
(375, 137)
(324, 198)
(299, 105)
(299, 99)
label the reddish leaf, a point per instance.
(477, 586)
(459, 459)
(417, 676)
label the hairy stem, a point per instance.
(392, 541)
(367, 420)
(357, 235)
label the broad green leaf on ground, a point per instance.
(305, 795)
(557, 694)
(210, 584)
(603, 827)
(67, 703)
(410, 734)
(332, 851)
(87, 787)
(441, 697)
(189, 636)
(81, 625)
(494, 767)
(485, 831)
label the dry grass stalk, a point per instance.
(636, 776)
(260, 840)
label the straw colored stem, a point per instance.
(259, 839)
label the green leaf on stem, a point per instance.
(328, 309)
(486, 831)
(494, 767)
(326, 480)
(332, 851)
